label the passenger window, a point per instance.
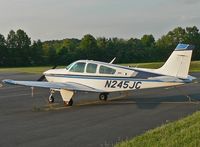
(91, 68)
(78, 67)
(106, 70)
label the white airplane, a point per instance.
(105, 78)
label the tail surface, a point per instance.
(178, 63)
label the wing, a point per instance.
(54, 85)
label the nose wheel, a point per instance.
(103, 96)
(51, 99)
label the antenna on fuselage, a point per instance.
(112, 60)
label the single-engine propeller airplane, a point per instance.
(105, 78)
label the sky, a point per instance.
(59, 19)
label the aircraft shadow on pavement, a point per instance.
(143, 102)
(147, 102)
(144, 99)
(152, 102)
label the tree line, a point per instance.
(17, 49)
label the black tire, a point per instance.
(70, 103)
(51, 99)
(103, 96)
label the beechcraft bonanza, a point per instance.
(105, 78)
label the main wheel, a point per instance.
(70, 103)
(51, 99)
(103, 96)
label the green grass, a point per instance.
(195, 67)
(152, 65)
(182, 133)
(36, 70)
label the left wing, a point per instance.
(54, 85)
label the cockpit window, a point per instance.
(106, 70)
(91, 68)
(78, 67)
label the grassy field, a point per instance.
(195, 67)
(36, 70)
(182, 133)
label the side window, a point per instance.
(78, 67)
(106, 70)
(91, 68)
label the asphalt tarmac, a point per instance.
(28, 120)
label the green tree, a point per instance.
(193, 37)
(52, 56)
(148, 40)
(18, 45)
(11, 40)
(22, 39)
(167, 43)
(3, 50)
(23, 47)
(36, 53)
(88, 47)
(2, 41)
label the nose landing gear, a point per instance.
(51, 99)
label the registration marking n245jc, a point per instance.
(123, 84)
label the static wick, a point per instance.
(32, 91)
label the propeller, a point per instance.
(42, 78)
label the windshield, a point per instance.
(68, 67)
(78, 67)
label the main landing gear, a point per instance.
(70, 103)
(103, 96)
(66, 96)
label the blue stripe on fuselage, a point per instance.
(101, 77)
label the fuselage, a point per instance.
(106, 77)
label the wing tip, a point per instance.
(8, 81)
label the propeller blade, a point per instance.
(41, 78)
(54, 67)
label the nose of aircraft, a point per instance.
(55, 71)
(50, 70)
(47, 72)
(43, 76)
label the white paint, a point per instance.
(66, 95)
(100, 84)
(177, 65)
